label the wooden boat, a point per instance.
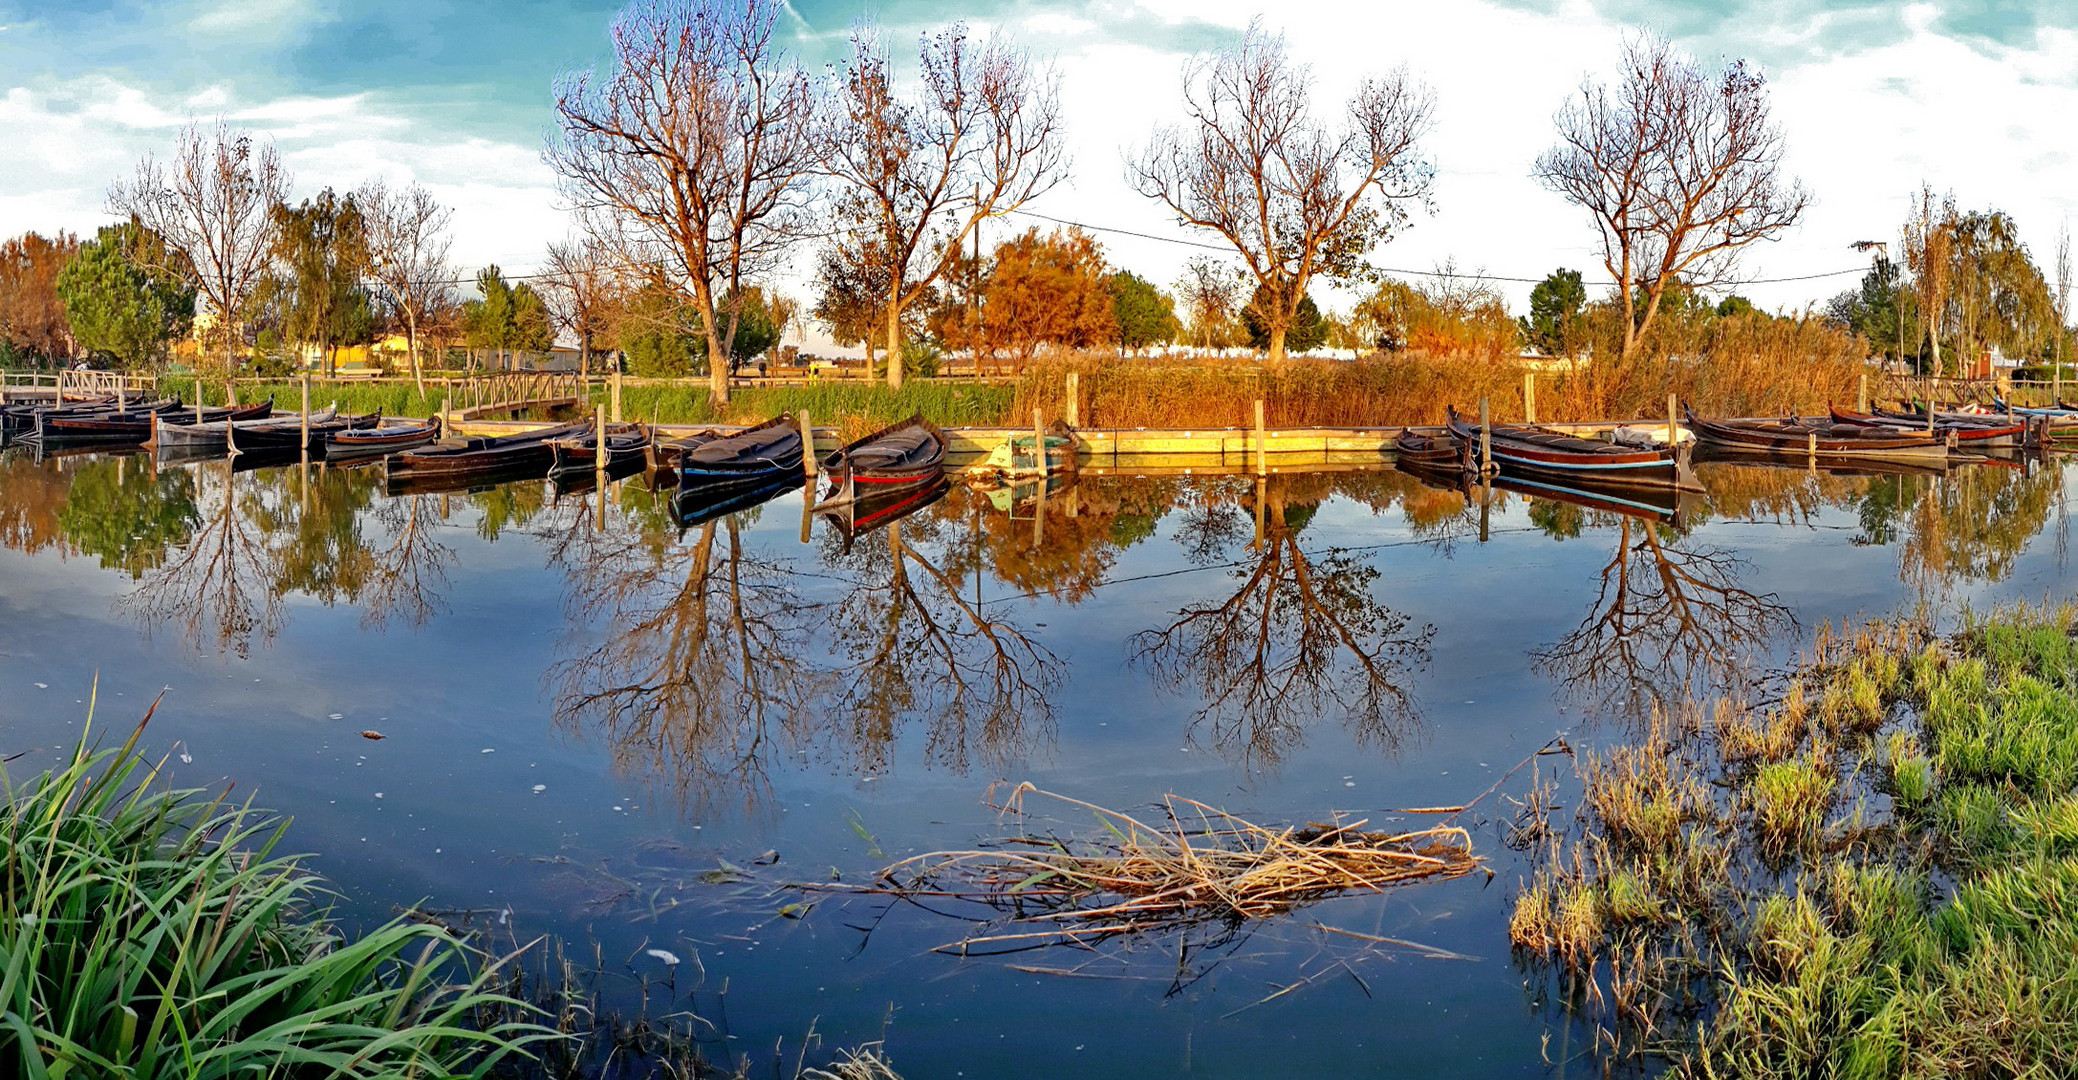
(1436, 453)
(752, 457)
(872, 480)
(506, 456)
(272, 433)
(1815, 437)
(130, 427)
(1536, 451)
(15, 419)
(380, 439)
(1972, 431)
(626, 444)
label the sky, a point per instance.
(1976, 97)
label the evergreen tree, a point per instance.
(118, 308)
(1554, 325)
(1146, 316)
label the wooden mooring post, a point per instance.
(1072, 410)
(1262, 441)
(616, 395)
(1861, 396)
(1039, 461)
(599, 444)
(304, 425)
(808, 462)
(1673, 423)
(1486, 437)
(1529, 397)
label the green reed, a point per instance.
(155, 933)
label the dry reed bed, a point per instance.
(1201, 865)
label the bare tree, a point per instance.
(1211, 295)
(2063, 305)
(407, 245)
(981, 140)
(1679, 167)
(583, 283)
(1929, 252)
(1296, 198)
(698, 148)
(212, 204)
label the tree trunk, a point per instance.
(1277, 344)
(894, 345)
(418, 375)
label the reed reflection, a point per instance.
(1300, 638)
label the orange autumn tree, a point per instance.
(1047, 289)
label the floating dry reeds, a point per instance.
(1202, 865)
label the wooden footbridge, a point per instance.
(481, 397)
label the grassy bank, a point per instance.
(1875, 876)
(151, 933)
(155, 934)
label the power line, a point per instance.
(1393, 269)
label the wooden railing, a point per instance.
(515, 390)
(81, 384)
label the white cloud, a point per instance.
(1865, 125)
(252, 20)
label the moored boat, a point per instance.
(1815, 436)
(1537, 451)
(272, 433)
(382, 438)
(880, 471)
(626, 444)
(506, 456)
(1973, 431)
(129, 427)
(1436, 453)
(752, 457)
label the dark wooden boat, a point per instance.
(130, 427)
(908, 452)
(16, 419)
(506, 456)
(1815, 436)
(272, 433)
(1437, 453)
(1972, 431)
(1541, 452)
(626, 444)
(380, 439)
(752, 457)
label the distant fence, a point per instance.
(79, 384)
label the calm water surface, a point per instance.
(600, 726)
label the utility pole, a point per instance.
(973, 301)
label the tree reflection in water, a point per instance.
(1668, 623)
(221, 588)
(705, 672)
(914, 643)
(1974, 523)
(1299, 639)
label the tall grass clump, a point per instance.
(1932, 935)
(152, 933)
